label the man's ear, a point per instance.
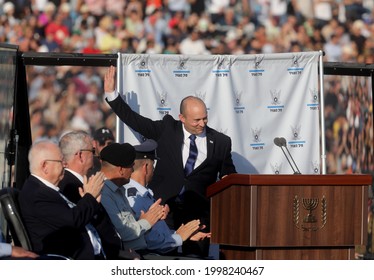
(145, 167)
(43, 167)
(181, 118)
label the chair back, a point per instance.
(12, 214)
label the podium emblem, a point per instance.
(314, 211)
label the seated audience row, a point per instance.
(100, 216)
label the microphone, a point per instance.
(282, 143)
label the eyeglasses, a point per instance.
(93, 150)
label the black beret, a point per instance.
(146, 150)
(118, 154)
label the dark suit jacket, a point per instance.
(111, 241)
(169, 177)
(69, 186)
(53, 226)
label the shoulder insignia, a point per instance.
(131, 192)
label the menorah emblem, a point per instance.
(310, 204)
(309, 222)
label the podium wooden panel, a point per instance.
(289, 216)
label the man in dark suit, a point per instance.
(54, 225)
(78, 153)
(185, 193)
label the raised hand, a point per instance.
(93, 185)
(154, 213)
(109, 81)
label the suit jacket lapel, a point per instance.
(179, 137)
(73, 178)
(209, 145)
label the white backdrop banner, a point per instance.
(251, 98)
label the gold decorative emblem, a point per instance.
(310, 220)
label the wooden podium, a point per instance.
(289, 217)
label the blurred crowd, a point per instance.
(349, 124)
(344, 29)
(71, 97)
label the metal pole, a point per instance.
(322, 116)
(120, 129)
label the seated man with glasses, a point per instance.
(78, 152)
(56, 225)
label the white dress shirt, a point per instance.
(200, 144)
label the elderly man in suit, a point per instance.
(78, 151)
(54, 223)
(191, 155)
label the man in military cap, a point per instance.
(102, 137)
(160, 238)
(117, 166)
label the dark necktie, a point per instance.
(192, 156)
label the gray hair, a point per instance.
(71, 142)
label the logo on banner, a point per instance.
(182, 71)
(202, 95)
(223, 68)
(257, 67)
(296, 132)
(295, 69)
(142, 68)
(296, 141)
(314, 100)
(276, 168)
(315, 166)
(256, 139)
(163, 108)
(275, 101)
(239, 108)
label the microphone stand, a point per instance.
(293, 169)
(282, 143)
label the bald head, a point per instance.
(191, 101)
(193, 114)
